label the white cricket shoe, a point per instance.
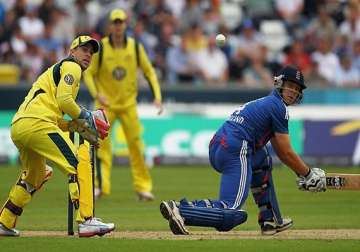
(4, 231)
(171, 212)
(145, 196)
(272, 227)
(95, 226)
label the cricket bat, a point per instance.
(341, 181)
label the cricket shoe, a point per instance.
(95, 226)
(272, 227)
(145, 196)
(170, 211)
(97, 193)
(4, 231)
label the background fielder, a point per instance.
(112, 81)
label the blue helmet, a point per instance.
(290, 73)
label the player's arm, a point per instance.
(309, 179)
(149, 73)
(282, 146)
(70, 77)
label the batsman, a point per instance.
(39, 132)
(238, 152)
(112, 81)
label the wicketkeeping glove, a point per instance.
(315, 181)
(91, 125)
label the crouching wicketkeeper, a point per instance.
(38, 132)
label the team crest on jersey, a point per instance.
(69, 79)
(118, 73)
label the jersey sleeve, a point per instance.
(149, 73)
(89, 74)
(70, 78)
(280, 119)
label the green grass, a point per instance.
(109, 245)
(47, 211)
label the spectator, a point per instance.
(211, 20)
(2, 13)
(47, 42)
(192, 14)
(243, 47)
(249, 40)
(31, 26)
(321, 26)
(32, 62)
(290, 12)
(176, 7)
(19, 8)
(299, 58)
(7, 29)
(346, 75)
(81, 17)
(159, 16)
(326, 61)
(343, 45)
(259, 10)
(258, 74)
(45, 10)
(17, 42)
(351, 26)
(356, 54)
(213, 65)
(180, 68)
(147, 39)
(63, 26)
(163, 44)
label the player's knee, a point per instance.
(232, 218)
(19, 197)
(262, 160)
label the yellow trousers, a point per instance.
(38, 142)
(132, 129)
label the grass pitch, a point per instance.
(48, 209)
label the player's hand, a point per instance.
(102, 100)
(91, 125)
(158, 104)
(315, 181)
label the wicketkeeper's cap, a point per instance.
(293, 74)
(83, 40)
(117, 14)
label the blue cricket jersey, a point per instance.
(257, 121)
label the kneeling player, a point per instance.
(238, 152)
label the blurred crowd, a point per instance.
(321, 37)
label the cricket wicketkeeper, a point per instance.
(38, 131)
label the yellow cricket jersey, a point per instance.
(53, 94)
(113, 73)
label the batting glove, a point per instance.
(315, 181)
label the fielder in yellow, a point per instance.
(37, 131)
(112, 81)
